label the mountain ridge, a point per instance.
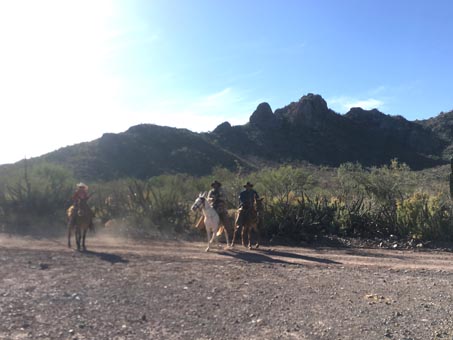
(303, 131)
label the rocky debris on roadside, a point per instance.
(390, 242)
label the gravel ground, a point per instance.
(174, 290)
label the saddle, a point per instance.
(77, 210)
(219, 207)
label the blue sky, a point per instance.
(72, 70)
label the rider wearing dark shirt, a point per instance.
(247, 199)
(217, 198)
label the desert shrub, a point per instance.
(110, 199)
(300, 218)
(424, 216)
(283, 189)
(374, 194)
(353, 217)
(35, 196)
(300, 201)
(158, 202)
(283, 184)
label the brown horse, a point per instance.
(252, 220)
(79, 221)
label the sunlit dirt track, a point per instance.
(174, 290)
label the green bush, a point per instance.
(301, 202)
(34, 197)
(424, 216)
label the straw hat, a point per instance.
(82, 185)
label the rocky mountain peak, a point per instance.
(312, 103)
(302, 131)
(263, 117)
(222, 128)
(359, 111)
(310, 110)
(375, 118)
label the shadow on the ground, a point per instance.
(299, 256)
(388, 254)
(259, 256)
(111, 258)
(253, 257)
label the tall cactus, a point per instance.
(451, 179)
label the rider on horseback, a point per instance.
(80, 194)
(247, 199)
(216, 197)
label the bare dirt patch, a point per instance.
(174, 290)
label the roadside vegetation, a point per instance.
(301, 202)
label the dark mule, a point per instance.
(79, 221)
(252, 220)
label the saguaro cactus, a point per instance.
(451, 178)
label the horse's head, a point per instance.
(83, 207)
(259, 204)
(199, 202)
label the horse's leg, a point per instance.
(249, 233)
(226, 225)
(243, 234)
(214, 237)
(78, 236)
(83, 239)
(226, 236)
(208, 232)
(236, 229)
(257, 232)
(200, 225)
(69, 234)
(236, 226)
(223, 224)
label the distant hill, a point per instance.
(144, 151)
(442, 126)
(306, 130)
(309, 130)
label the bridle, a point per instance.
(198, 203)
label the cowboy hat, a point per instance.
(82, 185)
(216, 183)
(248, 184)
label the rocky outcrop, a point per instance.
(263, 117)
(306, 130)
(375, 118)
(441, 125)
(225, 127)
(396, 131)
(311, 111)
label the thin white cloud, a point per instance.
(343, 104)
(378, 90)
(216, 100)
(202, 113)
(366, 104)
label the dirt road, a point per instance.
(174, 290)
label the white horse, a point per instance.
(211, 219)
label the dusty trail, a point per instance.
(174, 290)
(353, 257)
